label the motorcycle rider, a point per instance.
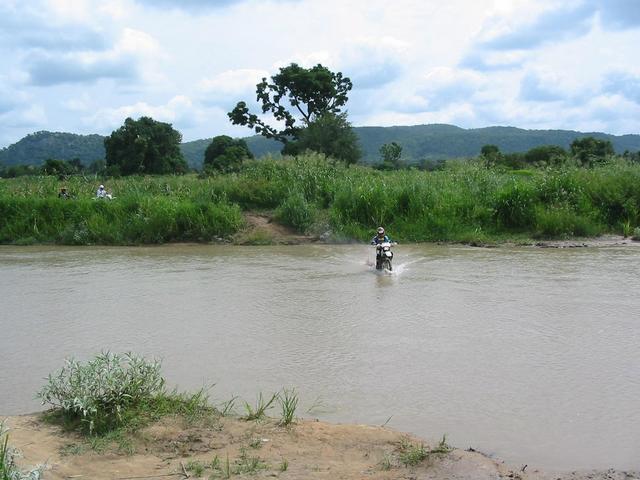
(380, 237)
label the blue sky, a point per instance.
(83, 66)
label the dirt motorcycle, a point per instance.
(384, 256)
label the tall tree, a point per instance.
(144, 146)
(296, 96)
(226, 154)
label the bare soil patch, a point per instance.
(263, 229)
(306, 450)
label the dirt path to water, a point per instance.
(262, 229)
(307, 450)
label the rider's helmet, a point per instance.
(101, 187)
(380, 231)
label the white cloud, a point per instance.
(136, 42)
(536, 63)
(31, 117)
(231, 86)
(120, 62)
(372, 62)
(178, 108)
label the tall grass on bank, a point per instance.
(118, 222)
(113, 391)
(466, 201)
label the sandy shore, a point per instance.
(307, 450)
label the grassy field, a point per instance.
(465, 202)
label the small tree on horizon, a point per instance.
(491, 154)
(391, 154)
(591, 150)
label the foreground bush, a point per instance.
(112, 391)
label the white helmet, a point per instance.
(101, 186)
(380, 231)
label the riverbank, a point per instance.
(173, 448)
(262, 228)
(466, 202)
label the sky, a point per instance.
(83, 66)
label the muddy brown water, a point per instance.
(532, 355)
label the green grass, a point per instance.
(288, 401)
(255, 443)
(247, 464)
(295, 211)
(227, 408)
(466, 201)
(258, 412)
(195, 467)
(442, 448)
(411, 454)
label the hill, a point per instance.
(37, 147)
(419, 142)
(446, 141)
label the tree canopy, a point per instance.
(58, 167)
(391, 154)
(491, 154)
(330, 134)
(296, 96)
(226, 154)
(590, 150)
(144, 146)
(546, 155)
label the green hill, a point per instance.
(37, 147)
(418, 142)
(447, 141)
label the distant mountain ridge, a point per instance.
(433, 142)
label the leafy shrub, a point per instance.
(100, 392)
(636, 234)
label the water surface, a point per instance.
(529, 354)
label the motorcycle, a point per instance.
(384, 256)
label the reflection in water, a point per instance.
(530, 354)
